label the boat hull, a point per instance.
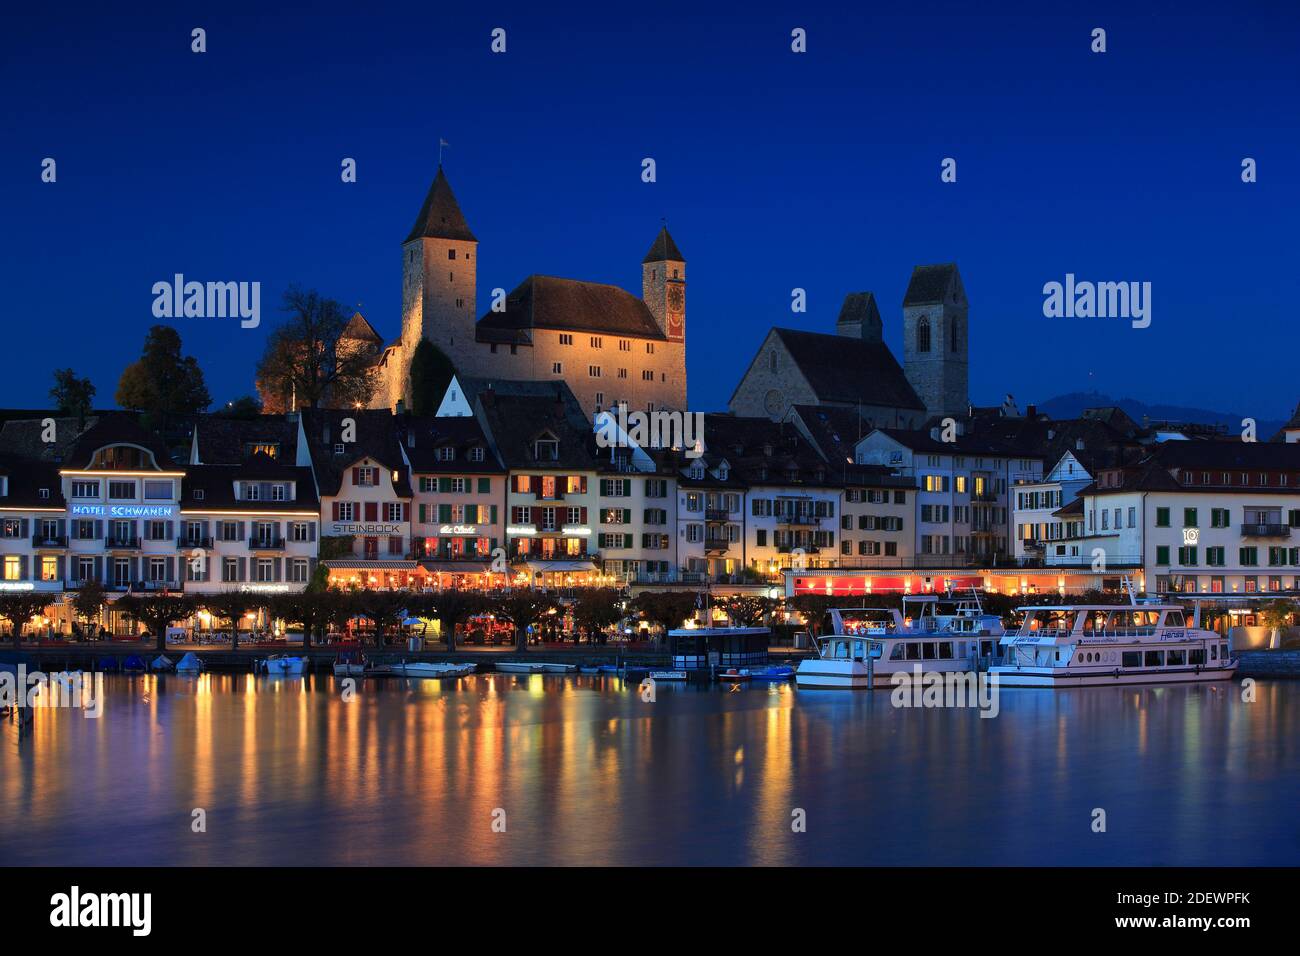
(524, 667)
(422, 669)
(284, 666)
(1060, 677)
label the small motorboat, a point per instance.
(161, 663)
(423, 669)
(349, 665)
(134, 664)
(283, 665)
(528, 667)
(679, 675)
(189, 664)
(776, 672)
(733, 675)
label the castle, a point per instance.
(609, 346)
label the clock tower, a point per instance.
(663, 285)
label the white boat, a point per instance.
(528, 667)
(678, 675)
(189, 664)
(423, 669)
(865, 647)
(344, 669)
(284, 665)
(1089, 645)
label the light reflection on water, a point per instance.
(411, 772)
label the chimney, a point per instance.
(400, 407)
(1030, 411)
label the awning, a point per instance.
(456, 567)
(345, 565)
(558, 567)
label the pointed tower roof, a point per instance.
(360, 328)
(440, 216)
(664, 249)
(930, 284)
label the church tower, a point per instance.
(439, 262)
(935, 342)
(663, 285)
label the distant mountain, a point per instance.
(1073, 404)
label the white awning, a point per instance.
(558, 567)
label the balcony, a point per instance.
(803, 520)
(1266, 530)
(266, 544)
(716, 545)
(195, 542)
(987, 497)
(49, 541)
(716, 514)
(805, 548)
(121, 542)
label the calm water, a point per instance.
(412, 772)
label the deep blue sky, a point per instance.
(775, 170)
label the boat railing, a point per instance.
(1044, 632)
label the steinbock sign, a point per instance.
(340, 529)
(123, 511)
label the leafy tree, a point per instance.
(156, 611)
(308, 358)
(523, 608)
(308, 609)
(340, 607)
(746, 610)
(244, 408)
(668, 609)
(163, 383)
(596, 609)
(19, 607)
(72, 395)
(231, 606)
(89, 600)
(431, 372)
(383, 608)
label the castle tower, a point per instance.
(439, 262)
(935, 341)
(663, 285)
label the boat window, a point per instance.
(945, 650)
(841, 650)
(929, 650)
(1132, 659)
(986, 648)
(859, 650)
(1196, 656)
(1094, 622)
(1175, 657)
(1223, 652)
(897, 653)
(913, 651)
(1214, 652)
(1154, 659)
(1174, 619)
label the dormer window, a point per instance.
(446, 453)
(546, 449)
(697, 472)
(723, 471)
(198, 494)
(476, 453)
(365, 476)
(44, 494)
(338, 448)
(251, 492)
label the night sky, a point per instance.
(775, 171)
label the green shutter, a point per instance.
(444, 512)
(627, 487)
(494, 514)
(627, 515)
(444, 485)
(484, 486)
(423, 513)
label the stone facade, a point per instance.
(936, 340)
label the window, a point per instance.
(300, 531)
(1189, 517)
(566, 338)
(365, 476)
(595, 342)
(121, 490)
(650, 348)
(593, 371)
(13, 567)
(923, 334)
(158, 490)
(445, 453)
(557, 368)
(476, 453)
(298, 570)
(1162, 517)
(85, 489)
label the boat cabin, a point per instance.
(699, 648)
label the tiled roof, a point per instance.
(547, 302)
(663, 249)
(217, 484)
(26, 479)
(359, 328)
(114, 428)
(376, 438)
(929, 284)
(848, 371)
(422, 438)
(25, 438)
(222, 440)
(440, 216)
(517, 417)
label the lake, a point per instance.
(580, 770)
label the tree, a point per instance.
(89, 600)
(231, 606)
(452, 607)
(156, 611)
(596, 609)
(306, 608)
(72, 395)
(747, 611)
(668, 609)
(383, 608)
(523, 608)
(163, 383)
(431, 372)
(309, 362)
(244, 408)
(19, 607)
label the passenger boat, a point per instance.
(422, 669)
(1086, 645)
(283, 665)
(865, 647)
(528, 667)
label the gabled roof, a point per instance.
(834, 430)
(517, 417)
(929, 284)
(923, 441)
(440, 216)
(423, 437)
(547, 302)
(860, 309)
(222, 441)
(26, 479)
(761, 451)
(116, 428)
(217, 484)
(376, 438)
(849, 371)
(25, 438)
(663, 249)
(359, 328)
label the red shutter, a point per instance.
(356, 476)
(336, 511)
(372, 511)
(582, 517)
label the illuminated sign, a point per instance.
(575, 529)
(17, 586)
(521, 530)
(338, 528)
(1191, 536)
(458, 529)
(123, 511)
(265, 588)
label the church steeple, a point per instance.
(440, 216)
(663, 249)
(663, 285)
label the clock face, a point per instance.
(774, 402)
(676, 299)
